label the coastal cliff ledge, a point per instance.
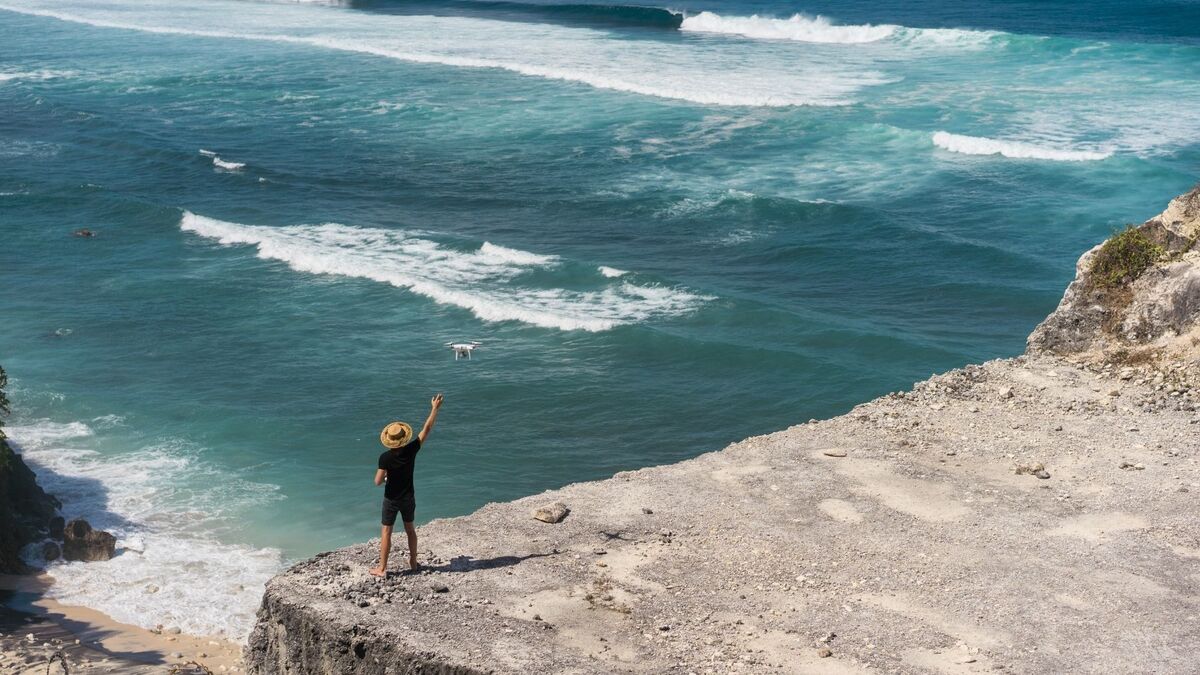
(1034, 514)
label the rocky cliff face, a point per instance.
(1135, 297)
(26, 511)
(1036, 514)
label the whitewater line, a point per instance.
(478, 281)
(981, 145)
(544, 72)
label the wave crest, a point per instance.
(483, 281)
(980, 145)
(818, 29)
(799, 28)
(563, 54)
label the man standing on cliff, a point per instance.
(396, 474)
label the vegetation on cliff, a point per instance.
(1124, 256)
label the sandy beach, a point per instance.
(35, 629)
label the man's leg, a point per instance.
(385, 548)
(411, 530)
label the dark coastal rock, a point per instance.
(51, 551)
(82, 542)
(26, 511)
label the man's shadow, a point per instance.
(465, 563)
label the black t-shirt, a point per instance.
(399, 466)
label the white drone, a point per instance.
(463, 349)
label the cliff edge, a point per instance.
(1035, 514)
(1135, 297)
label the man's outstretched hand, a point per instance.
(436, 401)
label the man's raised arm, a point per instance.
(434, 405)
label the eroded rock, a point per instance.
(82, 542)
(551, 513)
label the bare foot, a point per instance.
(413, 564)
(378, 572)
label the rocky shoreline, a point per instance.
(27, 513)
(37, 634)
(1034, 514)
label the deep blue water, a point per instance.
(670, 229)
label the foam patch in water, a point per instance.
(34, 75)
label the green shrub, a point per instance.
(1125, 255)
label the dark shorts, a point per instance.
(406, 506)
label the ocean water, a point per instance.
(671, 229)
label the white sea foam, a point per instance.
(485, 281)
(798, 27)
(228, 166)
(590, 57)
(978, 145)
(34, 75)
(207, 153)
(169, 569)
(801, 28)
(611, 272)
(515, 256)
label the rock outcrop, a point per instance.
(26, 511)
(1152, 311)
(82, 542)
(1034, 514)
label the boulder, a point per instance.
(51, 551)
(551, 513)
(81, 542)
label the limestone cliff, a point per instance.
(1142, 312)
(1036, 514)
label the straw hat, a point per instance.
(395, 434)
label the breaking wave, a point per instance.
(979, 145)
(581, 56)
(228, 166)
(607, 16)
(801, 28)
(798, 27)
(168, 569)
(484, 281)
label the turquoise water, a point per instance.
(670, 231)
